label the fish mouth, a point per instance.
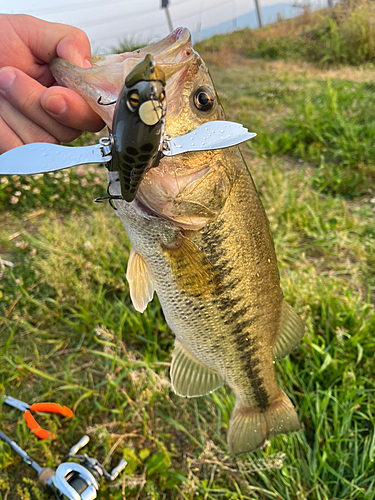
(141, 206)
(146, 211)
(143, 210)
(174, 55)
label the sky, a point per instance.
(106, 22)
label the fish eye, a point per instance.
(203, 99)
(133, 100)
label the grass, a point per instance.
(69, 333)
(328, 122)
(341, 35)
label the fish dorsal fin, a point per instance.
(290, 332)
(140, 281)
(189, 377)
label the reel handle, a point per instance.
(81, 444)
(116, 471)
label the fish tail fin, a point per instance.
(249, 427)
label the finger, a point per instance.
(8, 138)
(23, 127)
(70, 109)
(24, 93)
(75, 48)
(37, 42)
(47, 40)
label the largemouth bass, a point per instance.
(201, 239)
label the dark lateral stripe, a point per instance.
(248, 357)
(240, 326)
(223, 268)
(246, 353)
(216, 252)
(232, 284)
(212, 231)
(251, 365)
(234, 316)
(228, 303)
(246, 348)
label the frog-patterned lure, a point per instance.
(138, 125)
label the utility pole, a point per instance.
(164, 5)
(234, 20)
(260, 20)
(197, 33)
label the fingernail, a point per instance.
(7, 77)
(55, 104)
(87, 63)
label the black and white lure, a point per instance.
(138, 125)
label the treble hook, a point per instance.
(110, 197)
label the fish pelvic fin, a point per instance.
(290, 332)
(249, 427)
(189, 377)
(140, 282)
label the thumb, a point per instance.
(47, 40)
(75, 48)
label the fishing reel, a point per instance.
(80, 481)
(76, 479)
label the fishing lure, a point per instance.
(138, 125)
(138, 140)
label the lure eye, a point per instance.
(162, 97)
(133, 100)
(203, 99)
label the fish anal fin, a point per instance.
(140, 281)
(191, 269)
(249, 428)
(189, 377)
(290, 332)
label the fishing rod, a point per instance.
(71, 480)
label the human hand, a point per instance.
(32, 107)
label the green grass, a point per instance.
(69, 333)
(341, 35)
(326, 122)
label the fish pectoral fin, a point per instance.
(249, 427)
(140, 281)
(189, 377)
(191, 269)
(290, 332)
